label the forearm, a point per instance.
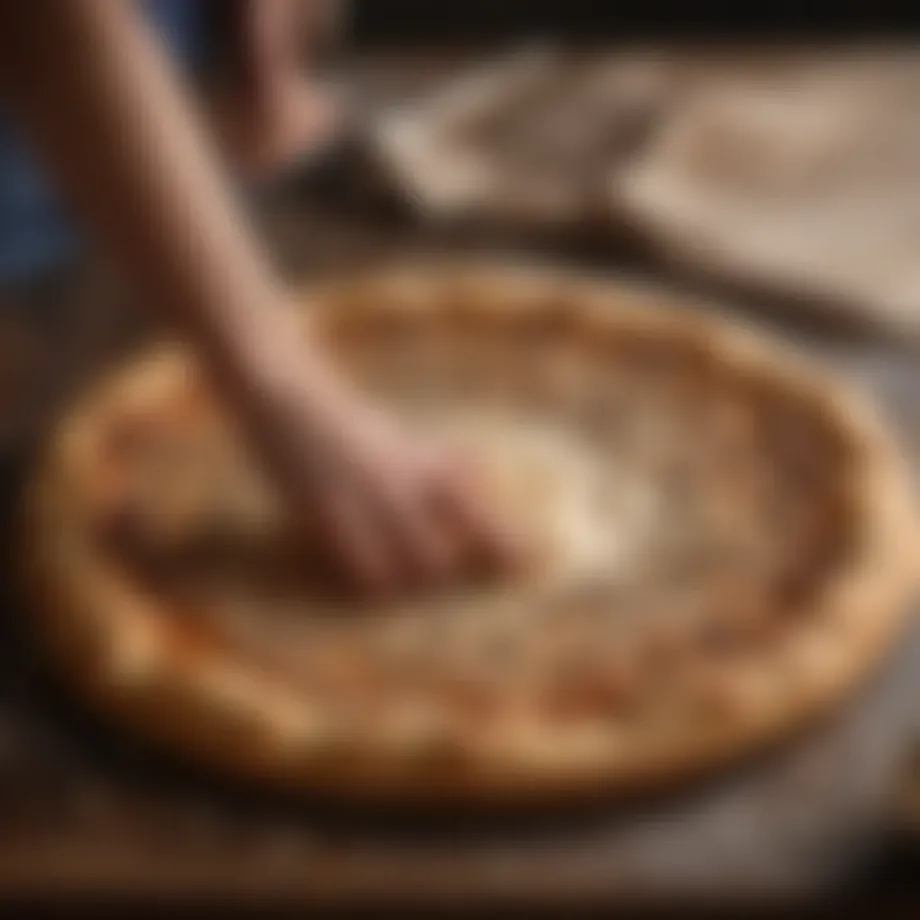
(96, 96)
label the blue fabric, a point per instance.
(35, 234)
(184, 26)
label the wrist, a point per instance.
(275, 364)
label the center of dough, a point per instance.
(580, 513)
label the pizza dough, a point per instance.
(799, 180)
(727, 539)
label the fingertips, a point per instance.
(490, 541)
(355, 550)
(423, 549)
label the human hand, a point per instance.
(385, 511)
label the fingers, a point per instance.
(410, 544)
(423, 550)
(462, 505)
(373, 532)
(351, 545)
(388, 517)
(392, 529)
(439, 524)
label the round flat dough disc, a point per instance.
(725, 543)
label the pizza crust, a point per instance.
(193, 688)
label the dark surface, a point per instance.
(86, 812)
(401, 22)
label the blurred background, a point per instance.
(767, 160)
